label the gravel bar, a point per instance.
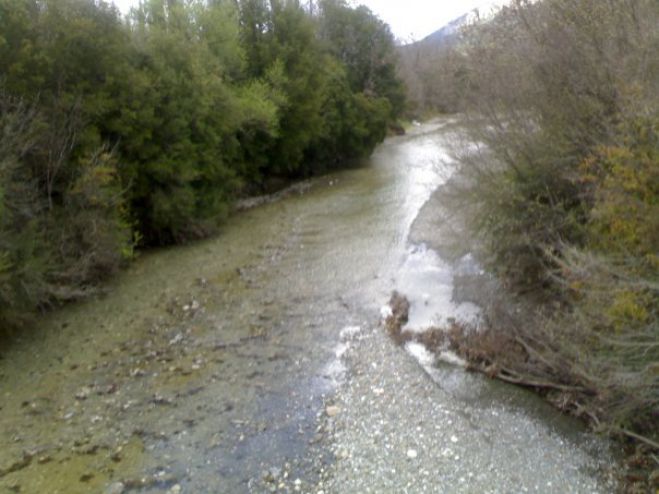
(395, 427)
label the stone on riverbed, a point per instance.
(115, 488)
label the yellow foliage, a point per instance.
(629, 308)
(624, 218)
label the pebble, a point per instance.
(115, 488)
(387, 445)
(332, 411)
(83, 393)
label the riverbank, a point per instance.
(499, 349)
(18, 324)
(395, 429)
(213, 367)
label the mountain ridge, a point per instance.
(449, 32)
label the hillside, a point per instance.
(418, 63)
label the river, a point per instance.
(204, 367)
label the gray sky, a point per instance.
(409, 19)
(415, 19)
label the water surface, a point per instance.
(207, 365)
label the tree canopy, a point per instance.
(119, 132)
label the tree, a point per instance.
(144, 130)
(366, 46)
(181, 140)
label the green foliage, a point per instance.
(365, 45)
(145, 129)
(331, 107)
(24, 260)
(294, 45)
(624, 219)
(63, 222)
(353, 123)
(623, 233)
(179, 161)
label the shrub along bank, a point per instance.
(138, 131)
(561, 193)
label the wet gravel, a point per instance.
(396, 428)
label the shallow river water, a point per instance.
(204, 366)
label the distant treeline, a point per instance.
(559, 185)
(118, 132)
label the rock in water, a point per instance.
(400, 309)
(115, 488)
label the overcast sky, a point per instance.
(409, 19)
(415, 19)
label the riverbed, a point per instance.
(211, 367)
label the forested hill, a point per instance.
(118, 132)
(421, 62)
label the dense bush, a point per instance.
(63, 220)
(561, 191)
(141, 131)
